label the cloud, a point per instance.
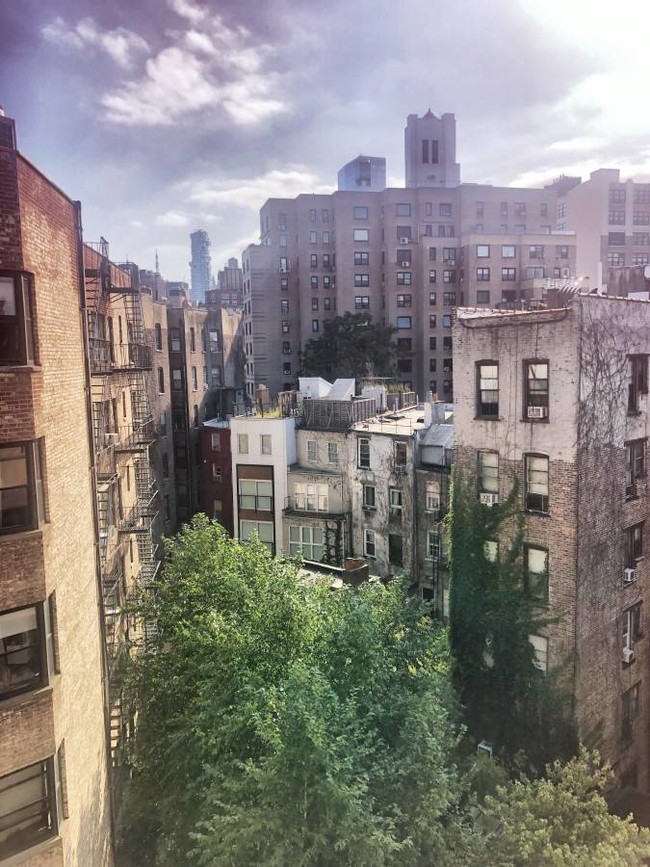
(253, 192)
(122, 45)
(210, 67)
(171, 218)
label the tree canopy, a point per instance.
(350, 346)
(282, 723)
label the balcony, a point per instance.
(106, 357)
(310, 508)
(137, 437)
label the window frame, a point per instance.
(635, 465)
(47, 799)
(536, 398)
(487, 410)
(542, 507)
(33, 486)
(369, 541)
(541, 578)
(395, 508)
(21, 321)
(363, 453)
(368, 499)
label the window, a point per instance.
(632, 623)
(286, 347)
(395, 502)
(363, 453)
(433, 386)
(360, 213)
(432, 254)
(327, 303)
(640, 219)
(536, 573)
(432, 500)
(404, 344)
(633, 545)
(540, 652)
(433, 546)
(432, 343)
(262, 529)
(362, 280)
(161, 380)
(313, 238)
(369, 548)
(508, 251)
(327, 282)
(313, 282)
(308, 541)
(217, 472)
(28, 807)
(404, 322)
(641, 196)
(399, 456)
(285, 326)
(449, 299)
(480, 210)
(395, 553)
(535, 390)
(21, 487)
(326, 238)
(616, 260)
(403, 300)
(404, 234)
(482, 296)
(403, 278)
(487, 389)
(403, 210)
(325, 215)
(446, 344)
(162, 422)
(333, 454)
(634, 465)
(286, 369)
(536, 251)
(369, 497)
(361, 258)
(448, 276)
(312, 451)
(536, 483)
(482, 251)
(361, 236)
(315, 326)
(195, 379)
(28, 646)
(445, 230)
(616, 239)
(265, 444)
(449, 255)
(444, 209)
(432, 365)
(284, 284)
(284, 305)
(157, 329)
(313, 259)
(16, 334)
(256, 495)
(483, 275)
(196, 416)
(508, 275)
(311, 498)
(362, 302)
(242, 443)
(314, 303)
(488, 472)
(640, 259)
(432, 276)
(629, 710)
(404, 258)
(638, 384)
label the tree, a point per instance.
(507, 700)
(561, 820)
(282, 723)
(350, 346)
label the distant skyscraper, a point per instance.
(362, 174)
(201, 265)
(430, 151)
(230, 284)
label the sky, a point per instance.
(167, 116)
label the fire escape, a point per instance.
(119, 367)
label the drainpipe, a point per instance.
(93, 474)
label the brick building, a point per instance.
(54, 792)
(557, 399)
(216, 472)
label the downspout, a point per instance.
(578, 534)
(93, 475)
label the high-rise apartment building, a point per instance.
(200, 265)
(54, 736)
(611, 221)
(430, 151)
(556, 402)
(230, 282)
(406, 257)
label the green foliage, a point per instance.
(285, 724)
(350, 346)
(506, 699)
(561, 820)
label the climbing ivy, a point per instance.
(507, 700)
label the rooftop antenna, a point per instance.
(157, 262)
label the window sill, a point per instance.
(544, 420)
(33, 851)
(20, 533)
(538, 514)
(487, 418)
(22, 698)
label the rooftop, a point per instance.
(402, 423)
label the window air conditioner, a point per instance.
(628, 655)
(112, 439)
(537, 412)
(405, 240)
(433, 505)
(488, 499)
(405, 264)
(629, 575)
(485, 747)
